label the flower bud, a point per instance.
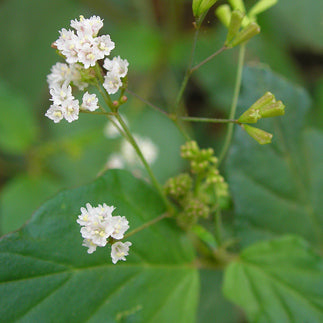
(223, 12)
(261, 136)
(201, 7)
(238, 5)
(124, 99)
(250, 116)
(253, 114)
(267, 98)
(273, 110)
(245, 34)
(179, 186)
(260, 7)
(235, 23)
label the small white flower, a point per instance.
(119, 251)
(115, 161)
(116, 66)
(88, 55)
(89, 26)
(70, 110)
(112, 83)
(148, 148)
(90, 102)
(120, 226)
(60, 73)
(61, 93)
(88, 243)
(104, 45)
(54, 113)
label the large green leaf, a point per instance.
(277, 188)
(48, 276)
(277, 281)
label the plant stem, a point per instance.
(234, 103)
(222, 49)
(146, 225)
(188, 72)
(155, 107)
(212, 120)
(143, 160)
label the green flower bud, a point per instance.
(201, 7)
(250, 116)
(190, 150)
(259, 135)
(179, 186)
(260, 7)
(245, 34)
(267, 98)
(235, 23)
(238, 5)
(223, 12)
(273, 110)
(193, 210)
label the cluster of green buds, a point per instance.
(197, 192)
(265, 107)
(241, 26)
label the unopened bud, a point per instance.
(238, 5)
(273, 110)
(224, 14)
(260, 7)
(261, 136)
(115, 104)
(235, 23)
(253, 114)
(245, 34)
(201, 7)
(124, 99)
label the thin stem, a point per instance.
(143, 160)
(222, 49)
(212, 120)
(188, 71)
(147, 224)
(234, 103)
(151, 105)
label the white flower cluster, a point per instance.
(98, 224)
(82, 48)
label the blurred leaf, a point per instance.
(276, 188)
(26, 55)
(213, 307)
(31, 192)
(299, 22)
(18, 128)
(277, 281)
(49, 275)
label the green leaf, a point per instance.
(18, 128)
(277, 281)
(276, 187)
(48, 275)
(31, 192)
(213, 306)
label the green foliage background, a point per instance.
(39, 158)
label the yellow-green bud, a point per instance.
(179, 186)
(235, 23)
(261, 136)
(245, 34)
(273, 110)
(224, 14)
(260, 7)
(238, 5)
(267, 98)
(201, 7)
(250, 116)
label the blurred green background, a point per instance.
(38, 158)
